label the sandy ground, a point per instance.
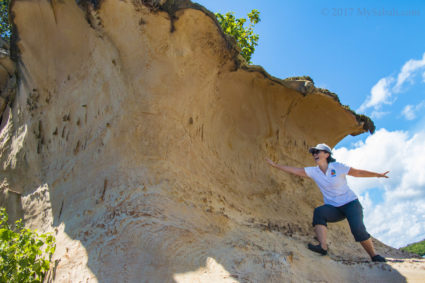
(139, 139)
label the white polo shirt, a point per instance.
(333, 184)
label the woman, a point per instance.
(340, 201)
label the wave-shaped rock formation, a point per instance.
(137, 135)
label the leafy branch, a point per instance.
(25, 256)
(5, 26)
(244, 36)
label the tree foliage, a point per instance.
(25, 256)
(5, 27)
(244, 36)
(417, 248)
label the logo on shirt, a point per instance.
(333, 173)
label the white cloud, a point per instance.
(379, 114)
(382, 92)
(379, 94)
(398, 219)
(408, 71)
(409, 111)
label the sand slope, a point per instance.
(138, 137)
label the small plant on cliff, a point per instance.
(25, 256)
(5, 27)
(244, 36)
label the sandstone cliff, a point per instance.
(138, 136)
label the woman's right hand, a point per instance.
(271, 162)
(288, 169)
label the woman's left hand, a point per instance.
(363, 173)
(383, 175)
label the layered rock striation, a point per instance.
(138, 136)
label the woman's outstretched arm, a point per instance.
(288, 169)
(363, 173)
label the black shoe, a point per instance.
(379, 258)
(317, 249)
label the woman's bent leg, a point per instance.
(321, 235)
(368, 246)
(322, 215)
(354, 213)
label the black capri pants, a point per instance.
(353, 211)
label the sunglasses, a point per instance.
(316, 151)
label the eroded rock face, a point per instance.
(139, 138)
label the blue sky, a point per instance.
(371, 53)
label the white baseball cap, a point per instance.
(321, 146)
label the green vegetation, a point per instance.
(245, 37)
(5, 27)
(416, 248)
(23, 252)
